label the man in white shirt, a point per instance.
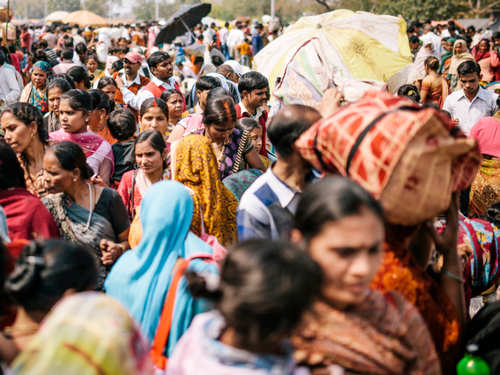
(130, 81)
(234, 39)
(162, 69)
(468, 105)
(223, 34)
(9, 87)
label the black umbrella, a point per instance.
(180, 22)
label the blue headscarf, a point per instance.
(141, 277)
(43, 66)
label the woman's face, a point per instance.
(155, 119)
(91, 65)
(110, 91)
(148, 158)
(256, 137)
(175, 106)
(54, 98)
(57, 179)
(349, 252)
(38, 78)
(72, 121)
(17, 134)
(460, 48)
(219, 133)
(484, 46)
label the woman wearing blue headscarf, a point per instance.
(35, 92)
(143, 279)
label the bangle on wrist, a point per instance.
(451, 275)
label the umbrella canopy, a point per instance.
(56, 16)
(180, 22)
(341, 48)
(85, 18)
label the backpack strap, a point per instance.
(163, 331)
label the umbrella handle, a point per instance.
(188, 29)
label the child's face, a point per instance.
(92, 65)
(155, 119)
(256, 137)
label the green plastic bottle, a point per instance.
(472, 364)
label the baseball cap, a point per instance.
(133, 57)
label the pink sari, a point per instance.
(96, 149)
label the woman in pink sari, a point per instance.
(74, 111)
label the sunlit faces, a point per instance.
(349, 252)
(17, 134)
(54, 98)
(164, 70)
(38, 78)
(56, 178)
(149, 159)
(219, 133)
(155, 119)
(175, 106)
(110, 91)
(255, 136)
(71, 120)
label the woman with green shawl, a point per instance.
(444, 66)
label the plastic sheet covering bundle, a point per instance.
(354, 51)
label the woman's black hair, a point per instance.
(71, 156)
(154, 137)
(207, 83)
(121, 124)
(101, 101)
(432, 63)
(265, 286)
(106, 81)
(165, 95)
(156, 58)
(331, 199)
(45, 270)
(248, 124)
(79, 74)
(410, 91)
(219, 109)
(153, 102)
(66, 78)
(60, 83)
(79, 100)
(11, 172)
(29, 114)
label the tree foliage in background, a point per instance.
(100, 7)
(67, 5)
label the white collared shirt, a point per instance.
(258, 112)
(467, 112)
(129, 98)
(143, 94)
(9, 86)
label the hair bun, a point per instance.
(27, 271)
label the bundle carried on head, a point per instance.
(409, 157)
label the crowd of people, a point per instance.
(160, 215)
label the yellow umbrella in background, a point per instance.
(352, 50)
(85, 18)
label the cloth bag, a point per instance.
(409, 157)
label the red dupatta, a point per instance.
(88, 141)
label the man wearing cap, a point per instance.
(129, 81)
(162, 69)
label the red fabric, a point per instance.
(27, 217)
(262, 121)
(158, 90)
(15, 62)
(25, 40)
(479, 55)
(88, 141)
(487, 134)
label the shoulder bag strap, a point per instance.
(163, 331)
(131, 196)
(239, 154)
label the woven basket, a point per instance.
(405, 155)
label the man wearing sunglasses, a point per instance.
(129, 81)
